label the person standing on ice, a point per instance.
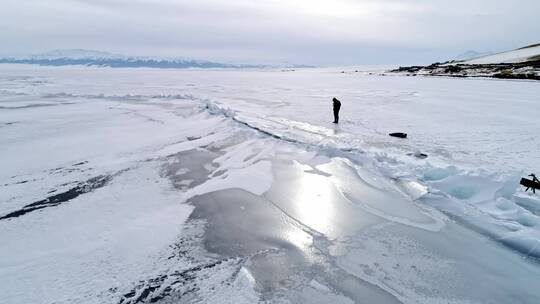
(336, 106)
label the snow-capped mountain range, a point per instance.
(77, 54)
(105, 59)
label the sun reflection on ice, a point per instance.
(299, 238)
(314, 202)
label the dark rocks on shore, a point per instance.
(522, 70)
(503, 75)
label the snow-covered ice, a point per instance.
(214, 186)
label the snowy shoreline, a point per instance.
(521, 71)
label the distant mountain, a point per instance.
(105, 59)
(76, 54)
(470, 54)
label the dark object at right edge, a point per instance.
(398, 134)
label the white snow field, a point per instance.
(233, 186)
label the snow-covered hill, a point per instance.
(522, 63)
(524, 54)
(470, 54)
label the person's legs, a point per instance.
(336, 114)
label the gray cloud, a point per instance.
(308, 31)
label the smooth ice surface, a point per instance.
(180, 155)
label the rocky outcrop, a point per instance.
(521, 70)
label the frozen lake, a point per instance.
(137, 185)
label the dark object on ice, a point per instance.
(534, 183)
(57, 199)
(398, 134)
(336, 107)
(420, 155)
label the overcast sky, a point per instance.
(322, 32)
